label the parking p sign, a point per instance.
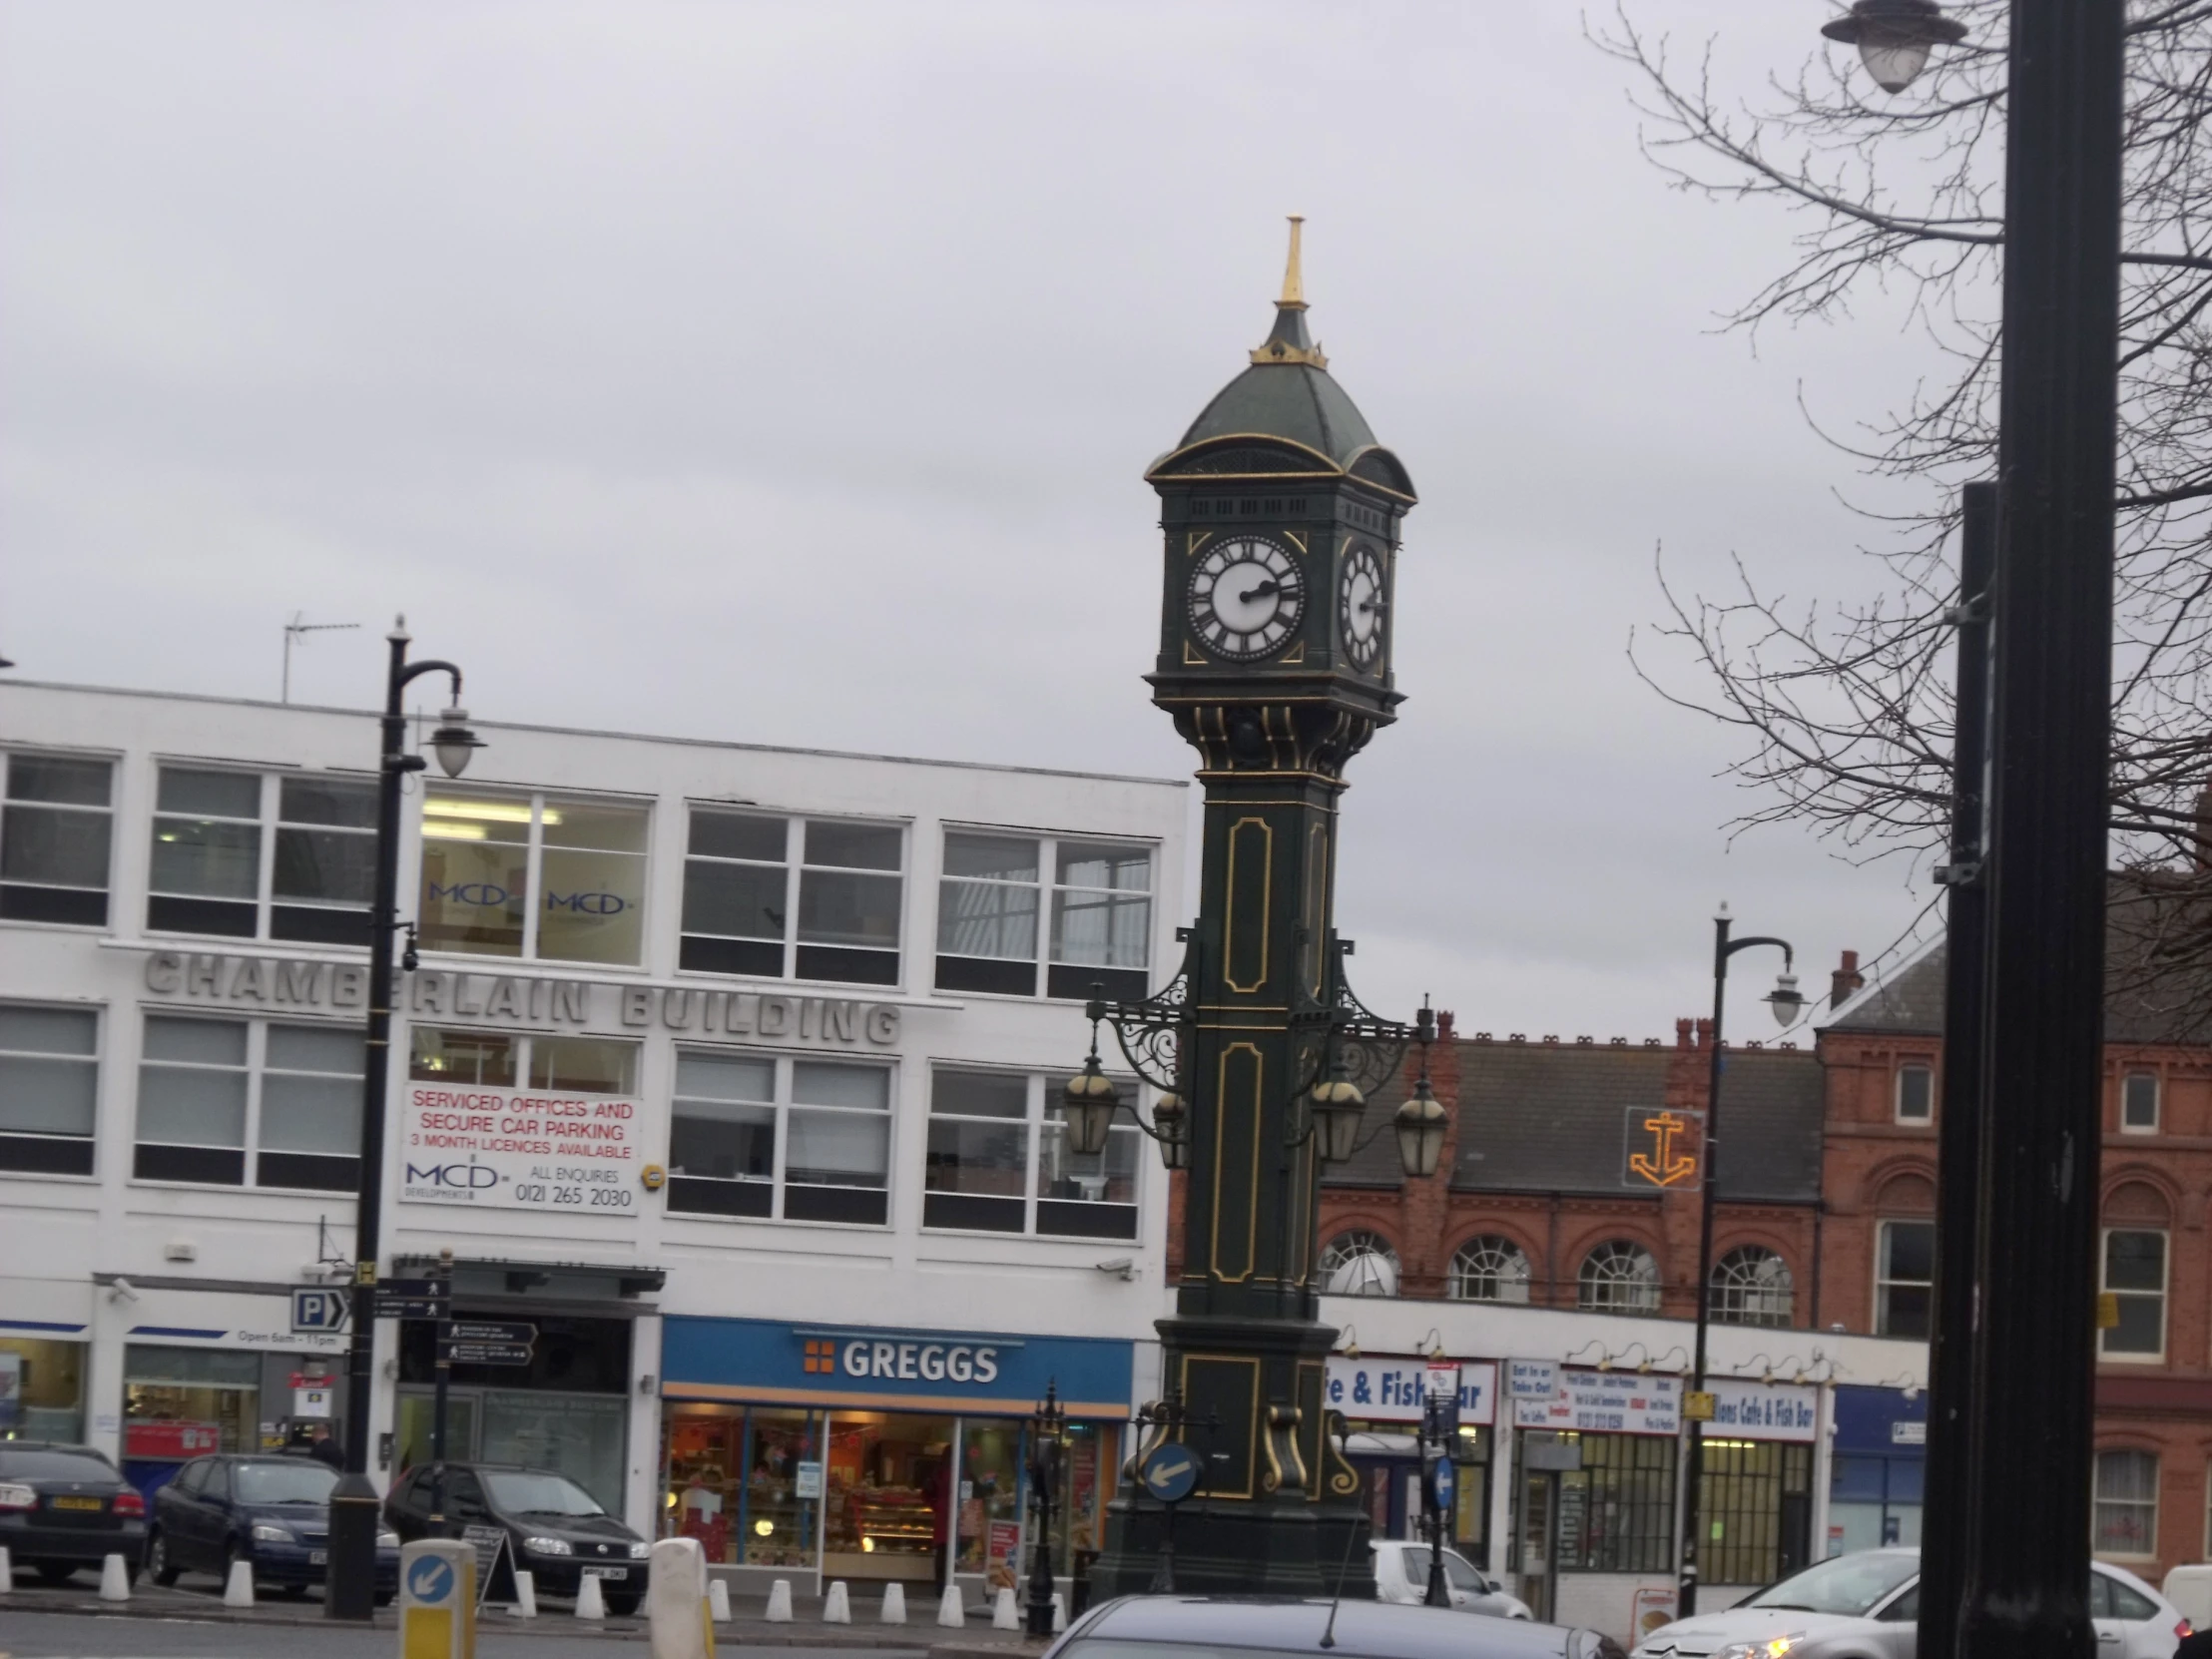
(320, 1309)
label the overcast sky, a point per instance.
(787, 374)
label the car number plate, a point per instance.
(606, 1572)
(319, 1557)
(79, 1503)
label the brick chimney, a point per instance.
(1846, 981)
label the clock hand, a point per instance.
(1263, 591)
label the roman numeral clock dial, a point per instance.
(1246, 596)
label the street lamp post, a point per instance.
(2016, 1504)
(351, 1589)
(1787, 1002)
(1046, 1427)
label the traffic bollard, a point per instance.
(1004, 1613)
(1059, 1613)
(718, 1600)
(836, 1606)
(591, 1601)
(951, 1610)
(895, 1604)
(437, 1599)
(675, 1601)
(7, 1571)
(238, 1589)
(780, 1602)
(526, 1594)
(115, 1579)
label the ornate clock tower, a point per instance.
(1281, 515)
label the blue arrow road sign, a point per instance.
(1170, 1473)
(1444, 1483)
(430, 1581)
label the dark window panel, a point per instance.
(333, 866)
(854, 968)
(320, 1172)
(734, 835)
(976, 974)
(63, 849)
(342, 803)
(1074, 982)
(63, 905)
(210, 1165)
(1087, 1221)
(746, 957)
(311, 925)
(868, 1205)
(746, 901)
(47, 1154)
(966, 1210)
(200, 915)
(699, 1196)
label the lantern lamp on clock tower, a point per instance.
(1280, 518)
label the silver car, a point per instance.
(1862, 1607)
(1402, 1575)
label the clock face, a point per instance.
(1246, 596)
(1360, 607)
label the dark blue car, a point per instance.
(272, 1511)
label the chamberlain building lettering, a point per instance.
(268, 982)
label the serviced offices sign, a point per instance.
(518, 1149)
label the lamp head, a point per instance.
(1087, 1107)
(1785, 999)
(1338, 1106)
(1420, 1126)
(1171, 1123)
(453, 743)
(1894, 37)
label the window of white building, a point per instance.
(1001, 926)
(998, 1160)
(247, 856)
(235, 1102)
(49, 1088)
(775, 1137)
(534, 877)
(793, 898)
(56, 830)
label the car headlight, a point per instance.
(1767, 1647)
(388, 1540)
(639, 1552)
(549, 1546)
(268, 1532)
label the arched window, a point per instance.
(1358, 1263)
(1619, 1277)
(1489, 1268)
(1751, 1286)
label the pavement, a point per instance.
(41, 1621)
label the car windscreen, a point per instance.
(1850, 1585)
(285, 1482)
(539, 1494)
(55, 1466)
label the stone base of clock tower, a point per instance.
(1278, 1512)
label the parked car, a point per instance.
(271, 1511)
(1402, 1575)
(1290, 1628)
(1863, 1607)
(559, 1533)
(66, 1506)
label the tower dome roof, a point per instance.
(1284, 403)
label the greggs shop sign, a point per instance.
(766, 1362)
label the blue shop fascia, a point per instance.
(794, 1450)
(1876, 1474)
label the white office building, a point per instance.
(730, 1070)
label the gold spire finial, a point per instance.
(1293, 285)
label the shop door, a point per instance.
(1540, 1541)
(418, 1414)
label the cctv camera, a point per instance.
(1121, 1265)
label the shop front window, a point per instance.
(890, 1496)
(784, 1484)
(990, 1502)
(1086, 1487)
(578, 1436)
(485, 858)
(1758, 1511)
(42, 1389)
(184, 1403)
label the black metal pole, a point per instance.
(1693, 1472)
(350, 1590)
(441, 1330)
(2024, 1581)
(1044, 1469)
(1948, 1520)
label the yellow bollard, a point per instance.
(438, 1601)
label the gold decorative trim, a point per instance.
(1229, 913)
(1191, 659)
(1293, 536)
(1291, 659)
(1194, 540)
(1252, 1417)
(1220, 1161)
